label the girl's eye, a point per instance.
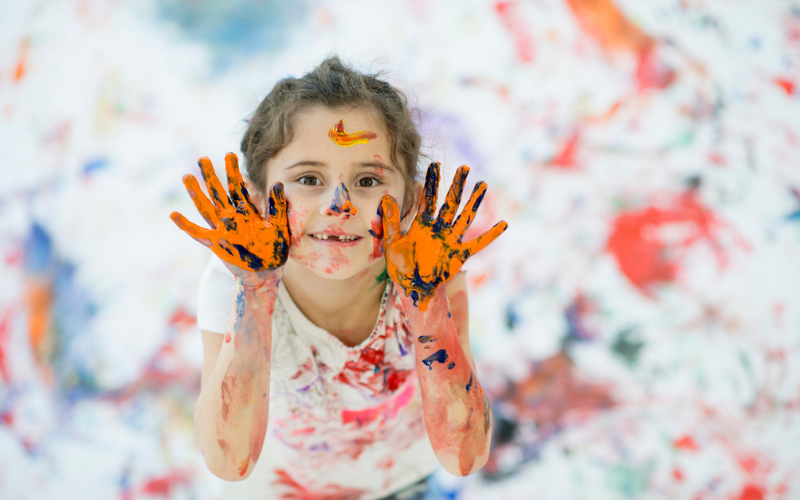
(309, 180)
(367, 182)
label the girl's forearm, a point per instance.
(458, 416)
(233, 408)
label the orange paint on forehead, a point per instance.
(341, 138)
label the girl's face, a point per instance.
(334, 191)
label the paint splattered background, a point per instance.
(638, 326)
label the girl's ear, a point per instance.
(255, 196)
(411, 210)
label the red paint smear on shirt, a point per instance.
(296, 491)
(515, 24)
(386, 410)
(641, 250)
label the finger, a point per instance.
(201, 201)
(428, 204)
(468, 214)
(277, 205)
(198, 233)
(236, 184)
(390, 216)
(477, 244)
(215, 188)
(448, 210)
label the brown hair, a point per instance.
(331, 84)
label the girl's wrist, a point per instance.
(436, 305)
(262, 281)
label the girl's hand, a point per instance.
(250, 245)
(431, 252)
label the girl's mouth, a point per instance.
(335, 239)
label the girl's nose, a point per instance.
(340, 204)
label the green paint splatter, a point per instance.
(630, 481)
(381, 278)
(627, 345)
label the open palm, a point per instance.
(239, 234)
(432, 251)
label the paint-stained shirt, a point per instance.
(344, 422)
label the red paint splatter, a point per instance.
(751, 492)
(652, 72)
(5, 339)
(677, 474)
(555, 394)
(686, 443)
(515, 23)
(227, 336)
(648, 243)
(788, 86)
(182, 319)
(565, 158)
(164, 485)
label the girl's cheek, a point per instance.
(296, 225)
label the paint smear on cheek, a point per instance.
(296, 226)
(342, 138)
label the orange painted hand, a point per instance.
(239, 234)
(431, 252)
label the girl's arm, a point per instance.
(233, 407)
(230, 419)
(425, 264)
(458, 417)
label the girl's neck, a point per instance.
(347, 309)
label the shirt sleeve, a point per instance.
(215, 297)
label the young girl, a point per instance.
(340, 324)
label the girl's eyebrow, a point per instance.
(374, 164)
(307, 163)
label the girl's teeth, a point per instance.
(340, 237)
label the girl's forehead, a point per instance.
(311, 121)
(338, 136)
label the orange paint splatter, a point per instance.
(432, 251)
(21, 66)
(341, 138)
(239, 235)
(604, 22)
(244, 465)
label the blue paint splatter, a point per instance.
(469, 385)
(439, 356)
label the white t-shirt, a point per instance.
(344, 422)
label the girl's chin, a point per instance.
(337, 269)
